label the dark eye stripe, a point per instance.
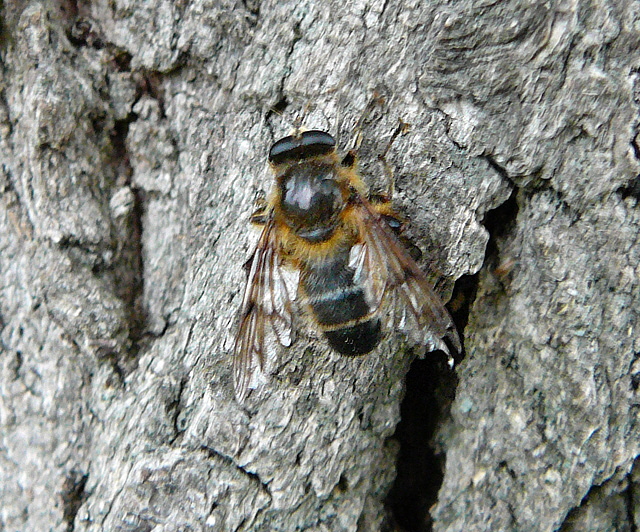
(309, 144)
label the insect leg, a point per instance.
(261, 215)
(349, 160)
(402, 128)
(377, 99)
(398, 225)
(382, 202)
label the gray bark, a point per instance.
(133, 141)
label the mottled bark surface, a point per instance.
(133, 141)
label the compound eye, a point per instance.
(296, 148)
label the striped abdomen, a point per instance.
(339, 306)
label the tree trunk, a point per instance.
(133, 142)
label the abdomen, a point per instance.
(339, 306)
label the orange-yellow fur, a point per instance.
(297, 250)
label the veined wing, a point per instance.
(395, 284)
(266, 317)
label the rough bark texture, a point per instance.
(133, 141)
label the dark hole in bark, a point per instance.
(73, 495)
(430, 389)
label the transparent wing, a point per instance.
(394, 283)
(266, 317)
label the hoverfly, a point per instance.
(326, 242)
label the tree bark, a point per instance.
(133, 142)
